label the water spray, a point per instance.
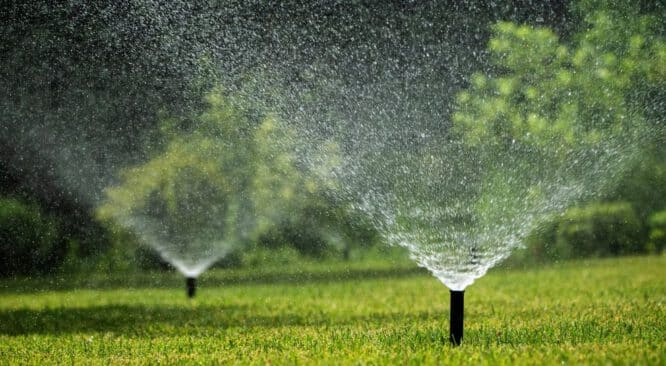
(191, 283)
(456, 317)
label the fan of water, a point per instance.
(461, 211)
(375, 82)
(187, 213)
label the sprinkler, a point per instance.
(456, 321)
(191, 283)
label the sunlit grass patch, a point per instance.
(599, 312)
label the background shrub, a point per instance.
(594, 230)
(29, 240)
(599, 230)
(657, 237)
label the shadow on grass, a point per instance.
(205, 321)
(171, 319)
(171, 280)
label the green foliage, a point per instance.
(281, 191)
(29, 240)
(299, 205)
(225, 176)
(645, 186)
(657, 237)
(596, 312)
(539, 246)
(321, 229)
(194, 196)
(599, 230)
(594, 230)
(551, 94)
(550, 106)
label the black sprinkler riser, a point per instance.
(191, 283)
(456, 321)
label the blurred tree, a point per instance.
(657, 238)
(192, 199)
(223, 180)
(570, 104)
(297, 208)
(599, 230)
(551, 94)
(29, 240)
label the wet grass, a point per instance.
(304, 272)
(610, 311)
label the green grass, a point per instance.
(609, 311)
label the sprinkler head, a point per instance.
(191, 283)
(456, 320)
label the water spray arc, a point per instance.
(462, 191)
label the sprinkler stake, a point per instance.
(191, 283)
(456, 321)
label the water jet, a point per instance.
(461, 194)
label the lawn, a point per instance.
(609, 311)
